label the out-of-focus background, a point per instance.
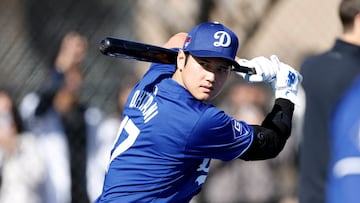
(32, 32)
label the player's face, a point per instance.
(204, 78)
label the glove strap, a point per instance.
(288, 94)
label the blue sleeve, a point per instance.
(217, 135)
(155, 74)
(344, 173)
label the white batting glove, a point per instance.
(286, 83)
(266, 69)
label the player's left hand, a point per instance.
(266, 69)
(286, 83)
(283, 79)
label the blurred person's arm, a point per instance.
(70, 56)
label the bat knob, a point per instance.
(104, 45)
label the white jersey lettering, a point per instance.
(144, 102)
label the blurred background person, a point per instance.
(21, 167)
(326, 77)
(344, 170)
(65, 126)
(242, 96)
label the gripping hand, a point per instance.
(283, 79)
(286, 83)
(266, 69)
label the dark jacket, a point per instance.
(326, 78)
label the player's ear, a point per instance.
(181, 59)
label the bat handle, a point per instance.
(245, 69)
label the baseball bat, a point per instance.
(120, 48)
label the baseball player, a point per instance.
(170, 131)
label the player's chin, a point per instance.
(206, 96)
(211, 97)
(202, 96)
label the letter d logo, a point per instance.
(224, 39)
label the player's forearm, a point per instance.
(271, 136)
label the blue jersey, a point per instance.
(344, 174)
(166, 141)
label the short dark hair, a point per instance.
(348, 9)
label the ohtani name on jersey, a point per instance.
(144, 102)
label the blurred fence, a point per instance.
(31, 31)
(31, 34)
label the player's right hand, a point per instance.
(266, 69)
(176, 41)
